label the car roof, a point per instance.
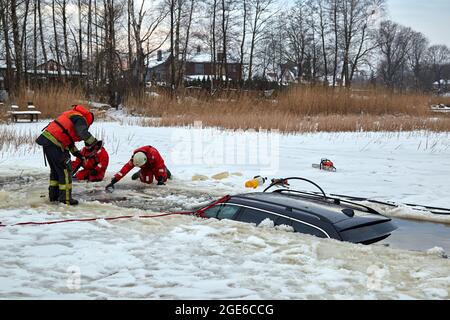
(314, 205)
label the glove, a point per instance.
(93, 143)
(77, 154)
(160, 181)
(93, 172)
(95, 146)
(110, 187)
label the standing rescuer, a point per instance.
(57, 139)
(151, 163)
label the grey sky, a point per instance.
(431, 17)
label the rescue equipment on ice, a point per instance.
(325, 164)
(255, 182)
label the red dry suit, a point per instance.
(94, 166)
(154, 167)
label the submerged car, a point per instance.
(311, 213)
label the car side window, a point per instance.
(212, 212)
(221, 211)
(254, 216)
(283, 221)
(303, 228)
(227, 212)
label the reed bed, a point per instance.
(299, 110)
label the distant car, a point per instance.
(306, 212)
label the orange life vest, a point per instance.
(62, 128)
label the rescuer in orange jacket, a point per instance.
(57, 139)
(94, 165)
(151, 163)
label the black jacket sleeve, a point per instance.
(82, 130)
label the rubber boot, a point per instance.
(67, 200)
(53, 193)
(135, 175)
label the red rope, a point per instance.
(198, 212)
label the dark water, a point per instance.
(419, 235)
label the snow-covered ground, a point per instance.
(408, 167)
(185, 257)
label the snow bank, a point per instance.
(190, 258)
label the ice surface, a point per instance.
(183, 257)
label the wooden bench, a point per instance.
(15, 115)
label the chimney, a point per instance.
(159, 55)
(199, 49)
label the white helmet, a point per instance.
(139, 159)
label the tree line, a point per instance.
(107, 44)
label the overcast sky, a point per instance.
(431, 17)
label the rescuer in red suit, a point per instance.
(152, 166)
(94, 165)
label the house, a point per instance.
(3, 69)
(442, 85)
(197, 66)
(52, 68)
(51, 65)
(284, 75)
(158, 68)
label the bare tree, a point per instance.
(395, 44)
(18, 31)
(298, 37)
(356, 21)
(244, 33)
(41, 32)
(55, 34)
(417, 57)
(80, 37)
(261, 12)
(4, 13)
(63, 6)
(142, 34)
(438, 56)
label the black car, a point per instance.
(306, 212)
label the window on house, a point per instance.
(199, 68)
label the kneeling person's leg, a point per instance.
(146, 176)
(82, 175)
(160, 175)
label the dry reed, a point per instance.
(307, 109)
(51, 101)
(301, 109)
